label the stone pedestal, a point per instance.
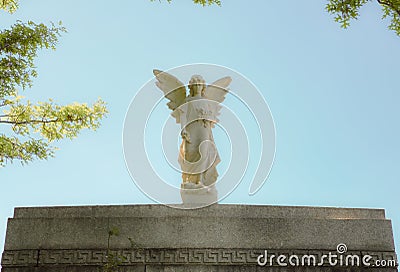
(216, 238)
(199, 197)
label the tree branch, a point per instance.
(39, 121)
(390, 5)
(28, 122)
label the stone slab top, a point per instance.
(199, 232)
(218, 226)
(216, 210)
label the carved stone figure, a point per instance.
(197, 113)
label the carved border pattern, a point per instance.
(23, 258)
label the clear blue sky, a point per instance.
(334, 95)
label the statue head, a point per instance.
(197, 85)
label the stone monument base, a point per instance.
(199, 197)
(155, 238)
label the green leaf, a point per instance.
(35, 126)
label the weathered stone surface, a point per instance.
(217, 238)
(161, 268)
(220, 210)
(189, 232)
(169, 256)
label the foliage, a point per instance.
(9, 5)
(113, 259)
(343, 10)
(346, 10)
(34, 126)
(18, 49)
(200, 2)
(391, 9)
(12, 5)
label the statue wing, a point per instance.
(218, 89)
(174, 90)
(217, 92)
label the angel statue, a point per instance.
(197, 113)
